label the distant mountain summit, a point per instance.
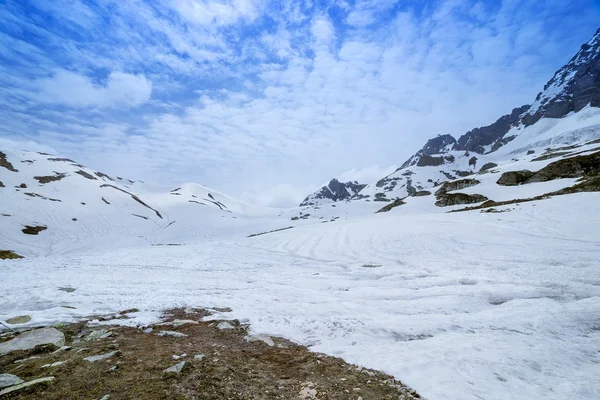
(334, 191)
(573, 87)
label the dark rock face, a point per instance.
(6, 164)
(436, 145)
(487, 166)
(514, 178)
(575, 167)
(393, 204)
(453, 199)
(335, 191)
(476, 139)
(456, 185)
(572, 88)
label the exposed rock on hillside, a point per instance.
(334, 191)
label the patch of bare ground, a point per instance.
(6, 164)
(586, 185)
(133, 196)
(50, 178)
(41, 197)
(86, 175)
(218, 364)
(9, 255)
(103, 175)
(60, 159)
(33, 230)
(274, 230)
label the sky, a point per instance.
(267, 100)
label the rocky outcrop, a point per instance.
(575, 167)
(393, 204)
(334, 191)
(456, 185)
(477, 139)
(437, 145)
(454, 199)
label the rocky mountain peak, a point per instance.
(334, 191)
(438, 145)
(573, 87)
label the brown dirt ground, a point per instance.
(231, 369)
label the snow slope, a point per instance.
(83, 209)
(459, 306)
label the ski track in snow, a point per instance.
(462, 306)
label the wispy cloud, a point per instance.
(268, 99)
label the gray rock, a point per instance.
(177, 368)
(99, 334)
(199, 357)
(54, 364)
(24, 360)
(107, 397)
(179, 322)
(335, 190)
(225, 325)
(172, 333)
(29, 340)
(9, 380)
(261, 338)
(16, 388)
(23, 319)
(101, 357)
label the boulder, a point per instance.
(9, 380)
(29, 340)
(16, 388)
(23, 319)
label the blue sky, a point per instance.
(266, 100)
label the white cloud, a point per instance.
(245, 95)
(74, 90)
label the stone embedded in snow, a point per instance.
(25, 385)
(9, 380)
(29, 340)
(172, 333)
(23, 319)
(99, 334)
(101, 356)
(177, 368)
(55, 364)
(199, 357)
(261, 338)
(225, 325)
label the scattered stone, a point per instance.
(177, 368)
(102, 357)
(9, 380)
(23, 319)
(172, 333)
(67, 289)
(99, 334)
(25, 385)
(107, 397)
(262, 338)
(371, 265)
(148, 330)
(55, 364)
(308, 392)
(189, 311)
(28, 340)
(180, 322)
(113, 368)
(64, 348)
(199, 357)
(225, 325)
(24, 360)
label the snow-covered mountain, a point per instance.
(51, 205)
(565, 114)
(333, 191)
